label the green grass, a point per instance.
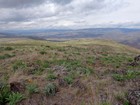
(126, 102)
(87, 71)
(4, 93)
(129, 75)
(115, 61)
(14, 98)
(90, 60)
(32, 88)
(5, 56)
(1, 49)
(19, 64)
(51, 76)
(74, 66)
(43, 64)
(68, 79)
(6, 96)
(38, 67)
(38, 71)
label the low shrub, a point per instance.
(50, 89)
(9, 48)
(43, 52)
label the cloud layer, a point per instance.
(66, 13)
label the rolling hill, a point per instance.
(74, 72)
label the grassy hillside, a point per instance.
(76, 72)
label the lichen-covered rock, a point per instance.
(134, 97)
(137, 58)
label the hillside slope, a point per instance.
(75, 72)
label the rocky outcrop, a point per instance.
(137, 58)
(136, 61)
(17, 87)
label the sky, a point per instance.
(49, 14)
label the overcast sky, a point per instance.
(36, 14)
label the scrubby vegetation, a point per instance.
(50, 89)
(76, 72)
(14, 98)
(4, 94)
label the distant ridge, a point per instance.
(124, 35)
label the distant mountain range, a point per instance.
(124, 35)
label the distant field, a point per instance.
(72, 72)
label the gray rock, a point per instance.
(134, 97)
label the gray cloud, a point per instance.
(27, 14)
(29, 3)
(55, 13)
(19, 3)
(61, 2)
